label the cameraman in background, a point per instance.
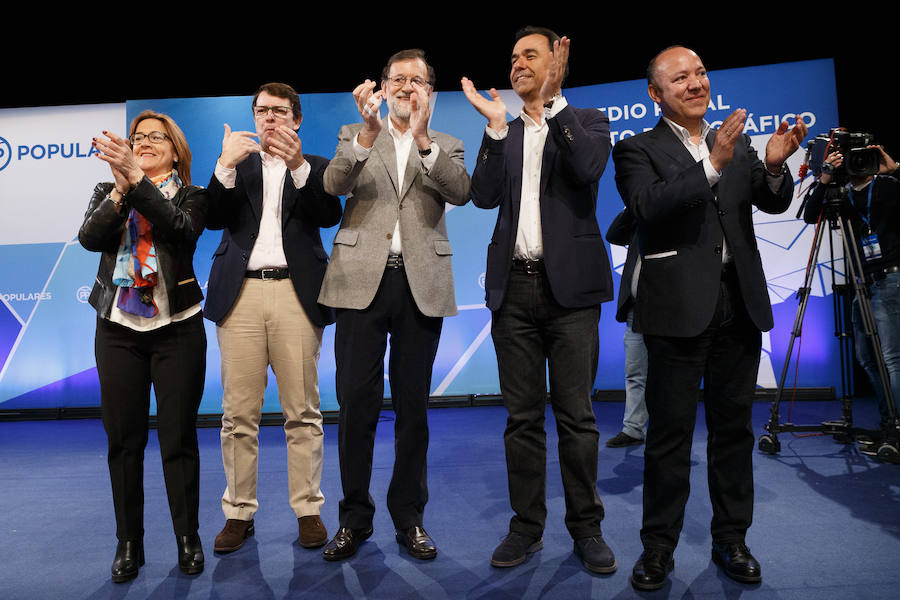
(874, 214)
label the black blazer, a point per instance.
(680, 229)
(575, 155)
(883, 216)
(237, 212)
(176, 226)
(623, 232)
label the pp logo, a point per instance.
(83, 293)
(481, 281)
(5, 153)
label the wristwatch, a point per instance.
(781, 171)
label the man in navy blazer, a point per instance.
(269, 200)
(701, 304)
(547, 273)
(623, 232)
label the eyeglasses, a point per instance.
(155, 137)
(400, 81)
(278, 111)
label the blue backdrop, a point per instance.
(46, 342)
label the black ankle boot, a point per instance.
(190, 554)
(128, 560)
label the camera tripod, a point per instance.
(836, 205)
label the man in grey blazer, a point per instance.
(390, 273)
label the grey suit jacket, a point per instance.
(374, 203)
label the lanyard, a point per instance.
(867, 216)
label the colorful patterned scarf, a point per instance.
(136, 267)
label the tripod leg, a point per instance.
(768, 442)
(890, 448)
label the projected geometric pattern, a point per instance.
(52, 334)
(46, 327)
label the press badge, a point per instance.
(871, 247)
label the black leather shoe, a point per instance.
(345, 543)
(128, 561)
(190, 554)
(737, 562)
(514, 549)
(596, 554)
(651, 569)
(622, 439)
(418, 543)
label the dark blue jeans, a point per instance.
(528, 330)
(885, 300)
(635, 421)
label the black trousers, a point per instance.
(528, 330)
(726, 358)
(359, 345)
(173, 359)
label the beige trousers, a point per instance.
(268, 326)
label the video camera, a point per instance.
(859, 159)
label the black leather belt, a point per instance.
(394, 261)
(272, 273)
(531, 267)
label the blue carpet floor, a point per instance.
(827, 520)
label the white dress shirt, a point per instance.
(268, 250)
(700, 152)
(529, 235)
(402, 144)
(163, 316)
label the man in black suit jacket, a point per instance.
(268, 199)
(623, 232)
(701, 304)
(547, 273)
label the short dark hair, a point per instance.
(532, 30)
(551, 36)
(411, 54)
(651, 66)
(280, 90)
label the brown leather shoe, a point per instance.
(233, 535)
(312, 532)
